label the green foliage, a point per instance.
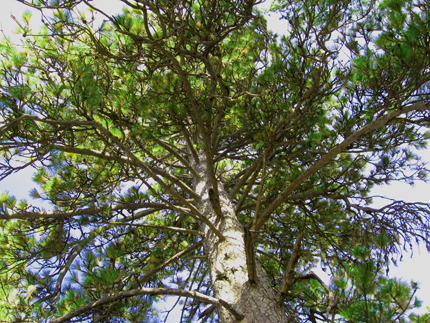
(373, 297)
(120, 117)
(425, 318)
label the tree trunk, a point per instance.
(227, 262)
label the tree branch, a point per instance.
(63, 273)
(288, 279)
(303, 196)
(332, 300)
(120, 159)
(254, 167)
(87, 211)
(175, 153)
(137, 292)
(148, 291)
(382, 121)
(250, 255)
(150, 170)
(161, 266)
(131, 160)
(247, 190)
(161, 227)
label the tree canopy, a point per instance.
(187, 150)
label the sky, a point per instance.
(408, 269)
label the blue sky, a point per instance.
(408, 269)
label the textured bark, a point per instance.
(255, 302)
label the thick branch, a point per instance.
(161, 227)
(207, 312)
(247, 190)
(163, 265)
(94, 153)
(79, 212)
(190, 144)
(175, 153)
(253, 168)
(63, 273)
(252, 205)
(156, 170)
(147, 168)
(332, 300)
(288, 279)
(333, 153)
(137, 292)
(250, 255)
(230, 308)
(216, 205)
(152, 171)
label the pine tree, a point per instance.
(187, 150)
